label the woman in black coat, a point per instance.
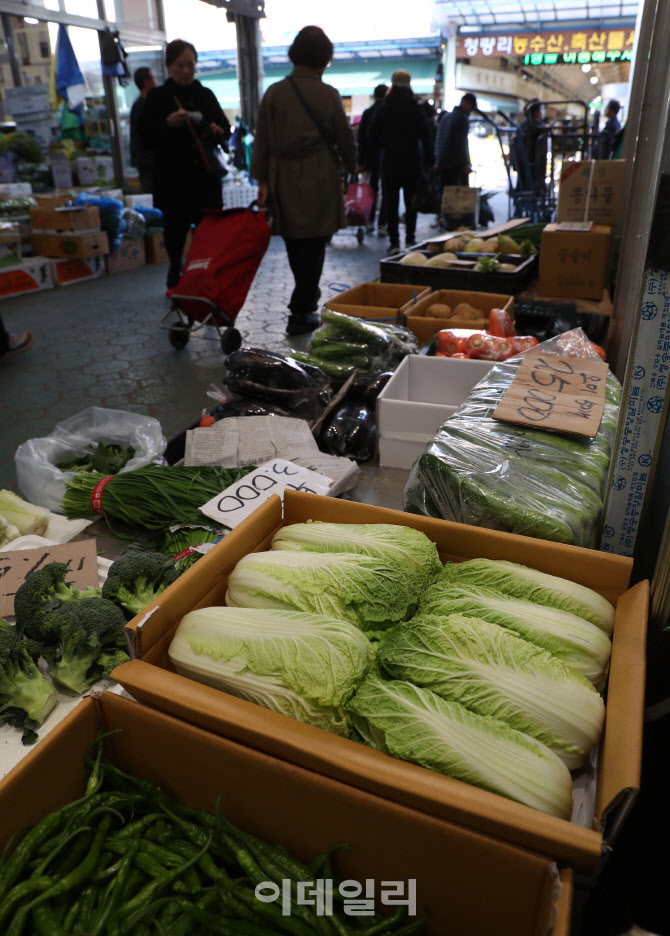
(182, 187)
(403, 136)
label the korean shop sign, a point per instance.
(572, 47)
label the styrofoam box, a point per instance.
(417, 400)
(139, 201)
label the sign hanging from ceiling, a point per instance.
(572, 47)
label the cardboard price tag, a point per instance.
(16, 564)
(240, 499)
(556, 392)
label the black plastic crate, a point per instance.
(392, 271)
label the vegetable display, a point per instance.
(265, 377)
(108, 459)
(494, 673)
(498, 343)
(135, 580)
(302, 665)
(484, 472)
(20, 516)
(415, 724)
(126, 859)
(26, 695)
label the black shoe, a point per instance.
(410, 241)
(173, 277)
(393, 249)
(301, 324)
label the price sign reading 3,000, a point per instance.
(566, 394)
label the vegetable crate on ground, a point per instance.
(393, 271)
(578, 843)
(281, 804)
(378, 302)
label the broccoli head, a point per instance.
(26, 695)
(43, 591)
(135, 580)
(86, 632)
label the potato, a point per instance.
(506, 268)
(491, 245)
(413, 258)
(456, 243)
(439, 310)
(465, 311)
(441, 260)
(476, 245)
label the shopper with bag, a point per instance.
(302, 148)
(183, 125)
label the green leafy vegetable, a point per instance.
(371, 593)
(108, 459)
(511, 578)
(26, 695)
(302, 665)
(494, 673)
(411, 549)
(417, 725)
(571, 639)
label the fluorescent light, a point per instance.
(586, 69)
(593, 79)
(31, 21)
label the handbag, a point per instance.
(330, 145)
(211, 153)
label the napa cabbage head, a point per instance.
(415, 724)
(371, 593)
(302, 665)
(510, 578)
(571, 639)
(494, 673)
(411, 549)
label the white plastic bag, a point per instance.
(42, 483)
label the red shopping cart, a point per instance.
(225, 253)
(358, 201)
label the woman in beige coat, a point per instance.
(294, 164)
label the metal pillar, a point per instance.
(8, 30)
(249, 66)
(450, 37)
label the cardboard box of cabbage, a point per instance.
(483, 746)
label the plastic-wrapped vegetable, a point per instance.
(350, 430)
(484, 472)
(269, 378)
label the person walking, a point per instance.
(534, 137)
(401, 131)
(13, 345)
(301, 131)
(183, 188)
(368, 158)
(140, 157)
(453, 150)
(610, 130)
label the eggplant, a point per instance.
(237, 407)
(270, 370)
(350, 430)
(366, 389)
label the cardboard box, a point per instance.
(420, 396)
(424, 327)
(70, 245)
(592, 190)
(10, 244)
(94, 170)
(573, 263)
(155, 247)
(80, 218)
(53, 199)
(151, 679)
(66, 272)
(304, 812)
(128, 256)
(94, 128)
(61, 170)
(379, 302)
(31, 275)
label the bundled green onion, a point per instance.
(152, 498)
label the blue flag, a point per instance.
(69, 79)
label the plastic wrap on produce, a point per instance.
(484, 472)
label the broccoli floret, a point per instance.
(42, 592)
(135, 580)
(84, 631)
(109, 660)
(26, 695)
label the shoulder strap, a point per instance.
(310, 113)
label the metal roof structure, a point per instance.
(504, 15)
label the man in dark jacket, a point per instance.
(368, 157)
(453, 152)
(610, 130)
(140, 156)
(402, 134)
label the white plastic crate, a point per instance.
(239, 196)
(422, 394)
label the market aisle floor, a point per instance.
(99, 343)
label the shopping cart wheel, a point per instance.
(179, 337)
(360, 234)
(231, 340)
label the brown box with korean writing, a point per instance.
(575, 260)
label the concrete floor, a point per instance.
(99, 343)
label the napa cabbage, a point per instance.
(416, 725)
(539, 587)
(494, 673)
(571, 639)
(371, 593)
(387, 541)
(302, 665)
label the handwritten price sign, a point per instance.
(556, 392)
(239, 500)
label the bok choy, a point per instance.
(416, 725)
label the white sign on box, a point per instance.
(239, 500)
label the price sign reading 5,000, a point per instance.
(564, 394)
(234, 504)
